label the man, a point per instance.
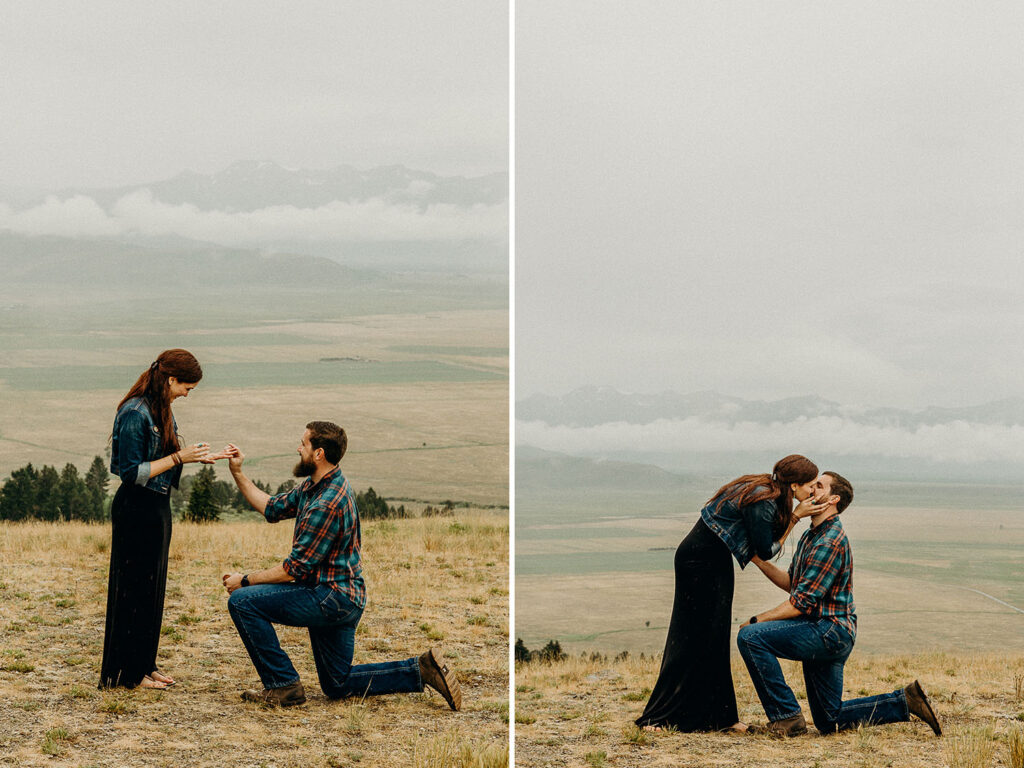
(319, 586)
(817, 626)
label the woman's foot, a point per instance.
(739, 727)
(653, 728)
(149, 682)
(160, 677)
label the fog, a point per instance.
(771, 200)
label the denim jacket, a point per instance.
(746, 530)
(136, 444)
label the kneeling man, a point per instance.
(817, 626)
(319, 586)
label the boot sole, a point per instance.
(454, 692)
(936, 728)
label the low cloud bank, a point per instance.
(369, 220)
(957, 442)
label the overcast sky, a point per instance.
(114, 92)
(771, 199)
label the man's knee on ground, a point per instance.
(825, 726)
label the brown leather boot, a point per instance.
(439, 677)
(918, 704)
(791, 726)
(288, 696)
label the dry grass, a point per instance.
(581, 712)
(449, 573)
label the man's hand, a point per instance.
(231, 581)
(234, 456)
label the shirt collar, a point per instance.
(820, 529)
(310, 485)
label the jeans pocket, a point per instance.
(833, 637)
(333, 604)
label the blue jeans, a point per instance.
(331, 619)
(823, 646)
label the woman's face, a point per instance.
(804, 491)
(177, 388)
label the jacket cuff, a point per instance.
(142, 473)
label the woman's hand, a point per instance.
(809, 507)
(193, 453)
(223, 453)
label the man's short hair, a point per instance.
(330, 437)
(841, 487)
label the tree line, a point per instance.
(49, 495)
(46, 494)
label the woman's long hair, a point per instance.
(152, 386)
(750, 489)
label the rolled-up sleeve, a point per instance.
(758, 519)
(282, 506)
(132, 438)
(823, 564)
(315, 532)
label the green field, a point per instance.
(254, 374)
(936, 566)
(415, 367)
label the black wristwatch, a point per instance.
(245, 580)
(753, 619)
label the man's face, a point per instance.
(307, 464)
(822, 488)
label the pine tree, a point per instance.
(48, 494)
(72, 494)
(18, 496)
(96, 482)
(201, 506)
(522, 652)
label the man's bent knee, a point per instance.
(744, 638)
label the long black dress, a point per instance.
(138, 579)
(694, 691)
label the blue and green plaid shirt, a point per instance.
(821, 575)
(325, 544)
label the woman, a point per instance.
(147, 456)
(751, 516)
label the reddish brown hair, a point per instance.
(152, 385)
(750, 489)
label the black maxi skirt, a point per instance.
(694, 691)
(141, 521)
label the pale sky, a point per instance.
(114, 92)
(771, 199)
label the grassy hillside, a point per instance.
(581, 712)
(435, 581)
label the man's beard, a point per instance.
(304, 469)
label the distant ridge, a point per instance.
(250, 185)
(48, 260)
(592, 406)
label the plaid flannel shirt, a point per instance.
(325, 544)
(821, 575)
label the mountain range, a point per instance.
(251, 185)
(592, 406)
(390, 217)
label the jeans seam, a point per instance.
(243, 628)
(768, 688)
